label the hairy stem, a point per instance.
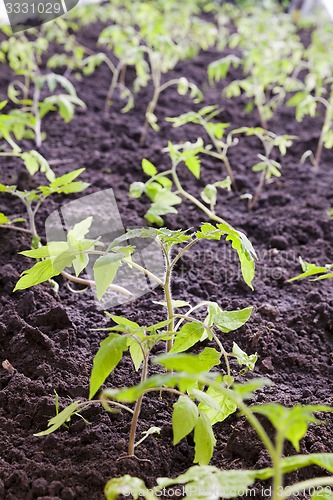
(319, 151)
(150, 110)
(145, 271)
(168, 297)
(15, 228)
(223, 156)
(254, 201)
(113, 85)
(277, 468)
(35, 110)
(326, 124)
(137, 409)
(91, 283)
(193, 200)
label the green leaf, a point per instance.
(296, 99)
(130, 394)
(3, 218)
(226, 321)
(125, 486)
(239, 242)
(292, 422)
(187, 336)
(310, 270)
(66, 108)
(60, 419)
(244, 359)
(218, 70)
(183, 86)
(135, 353)
(34, 161)
(51, 250)
(136, 189)
(71, 256)
(79, 230)
(204, 440)
(145, 232)
(247, 389)
(190, 363)
(205, 399)
(130, 326)
(209, 194)
(105, 270)
(163, 205)
(107, 357)
(225, 406)
(173, 237)
(66, 179)
(184, 418)
(295, 462)
(193, 164)
(148, 168)
(40, 272)
(324, 277)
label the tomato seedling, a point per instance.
(179, 332)
(37, 108)
(268, 59)
(290, 424)
(215, 131)
(317, 273)
(267, 166)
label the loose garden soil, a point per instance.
(49, 338)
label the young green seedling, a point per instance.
(317, 273)
(161, 62)
(124, 42)
(215, 131)
(291, 424)
(32, 200)
(24, 57)
(307, 104)
(267, 166)
(269, 57)
(81, 60)
(165, 189)
(179, 332)
(314, 92)
(37, 108)
(15, 127)
(152, 38)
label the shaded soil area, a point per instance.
(49, 338)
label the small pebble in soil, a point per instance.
(279, 242)
(268, 310)
(267, 364)
(313, 297)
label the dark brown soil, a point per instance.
(49, 340)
